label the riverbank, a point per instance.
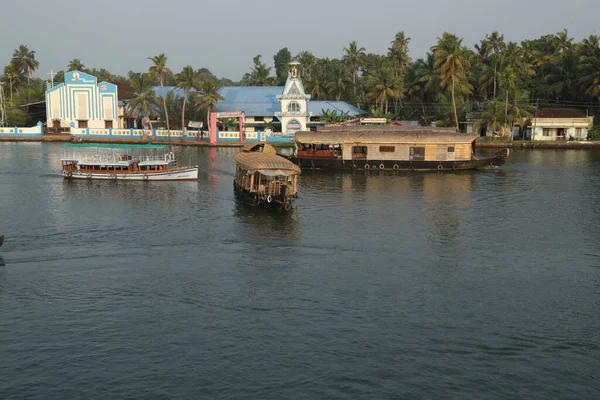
(67, 139)
(483, 142)
(538, 144)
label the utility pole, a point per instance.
(52, 75)
(2, 106)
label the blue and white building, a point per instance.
(278, 110)
(82, 102)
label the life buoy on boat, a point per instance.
(439, 167)
(269, 198)
(354, 166)
(69, 174)
(367, 166)
(381, 166)
(287, 206)
(114, 176)
(145, 177)
(396, 167)
(454, 168)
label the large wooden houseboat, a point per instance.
(265, 178)
(147, 162)
(390, 148)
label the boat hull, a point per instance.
(183, 174)
(497, 160)
(281, 203)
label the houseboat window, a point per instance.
(450, 149)
(417, 153)
(359, 149)
(387, 149)
(546, 131)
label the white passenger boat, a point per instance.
(130, 162)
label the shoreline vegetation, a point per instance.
(482, 142)
(496, 83)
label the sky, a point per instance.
(225, 35)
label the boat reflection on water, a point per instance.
(267, 221)
(2, 263)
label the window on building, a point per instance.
(259, 119)
(578, 132)
(293, 107)
(450, 149)
(387, 149)
(546, 131)
(417, 153)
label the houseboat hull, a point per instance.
(281, 202)
(183, 174)
(400, 165)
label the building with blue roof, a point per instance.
(276, 110)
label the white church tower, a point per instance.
(294, 115)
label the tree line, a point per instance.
(502, 82)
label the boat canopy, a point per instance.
(115, 146)
(262, 147)
(265, 163)
(400, 136)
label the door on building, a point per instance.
(108, 124)
(82, 124)
(560, 133)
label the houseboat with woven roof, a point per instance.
(265, 178)
(128, 162)
(390, 148)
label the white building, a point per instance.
(561, 124)
(82, 102)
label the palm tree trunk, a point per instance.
(386, 106)
(10, 85)
(162, 89)
(183, 114)
(454, 105)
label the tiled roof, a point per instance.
(560, 113)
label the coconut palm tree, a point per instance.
(354, 59)
(307, 61)
(493, 118)
(452, 64)
(384, 85)
(316, 85)
(12, 74)
(161, 71)
(338, 81)
(398, 52)
(24, 60)
(208, 96)
(590, 81)
(75, 65)
(143, 101)
(187, 80)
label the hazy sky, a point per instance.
(225, 35)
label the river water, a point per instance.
(378, 285)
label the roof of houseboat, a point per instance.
(265, 162)
(115, 146)
(397, 136)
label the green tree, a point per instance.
(259, 74)
(452, 63)
(24, 60)
(160, 71)
(143, 101)
(398, 52)
(208, 96)
(76, 65)
(354, 58)
(383, 85)
(187, 80)
(307, 61)
(281, 59)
